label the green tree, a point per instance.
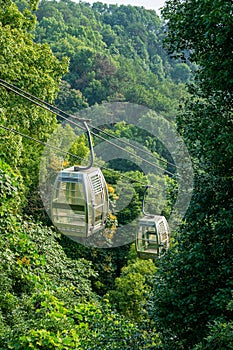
(211, 51)
(70, 100)
(132, 289)
(35, 69)
(11, 190)
(219, 337)
(194, 282)
(115, 53)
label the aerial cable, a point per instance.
(55, 110)
(68, 153)
(38, 141)
(65, 116)
(135, 155)
(131, 145)
(37, 101)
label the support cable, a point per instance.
(70, 154)
(58, 112)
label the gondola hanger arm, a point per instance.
(143, 201)
(80, 168)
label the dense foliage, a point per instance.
(115, 54)
(57, 294)
(193, 290)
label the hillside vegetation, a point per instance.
(58, 294)
(115, 54)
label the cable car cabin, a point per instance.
(80, 202)
(152, 237)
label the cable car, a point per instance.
(152, 238)
(80, 202)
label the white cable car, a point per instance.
(152, 236)
(79, 206)
(80, 202)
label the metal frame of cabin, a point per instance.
(152, 237)
(80, 202)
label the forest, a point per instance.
(157, 93)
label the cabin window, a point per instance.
(69, 204)
(148, 237)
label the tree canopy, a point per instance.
(195, 282)
(115, 53)
(57, 294)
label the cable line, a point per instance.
(58, 112)
(55, 110)
(135, 155)
(70, 154)
(129, 144)
(38, 141)
(37, 101)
